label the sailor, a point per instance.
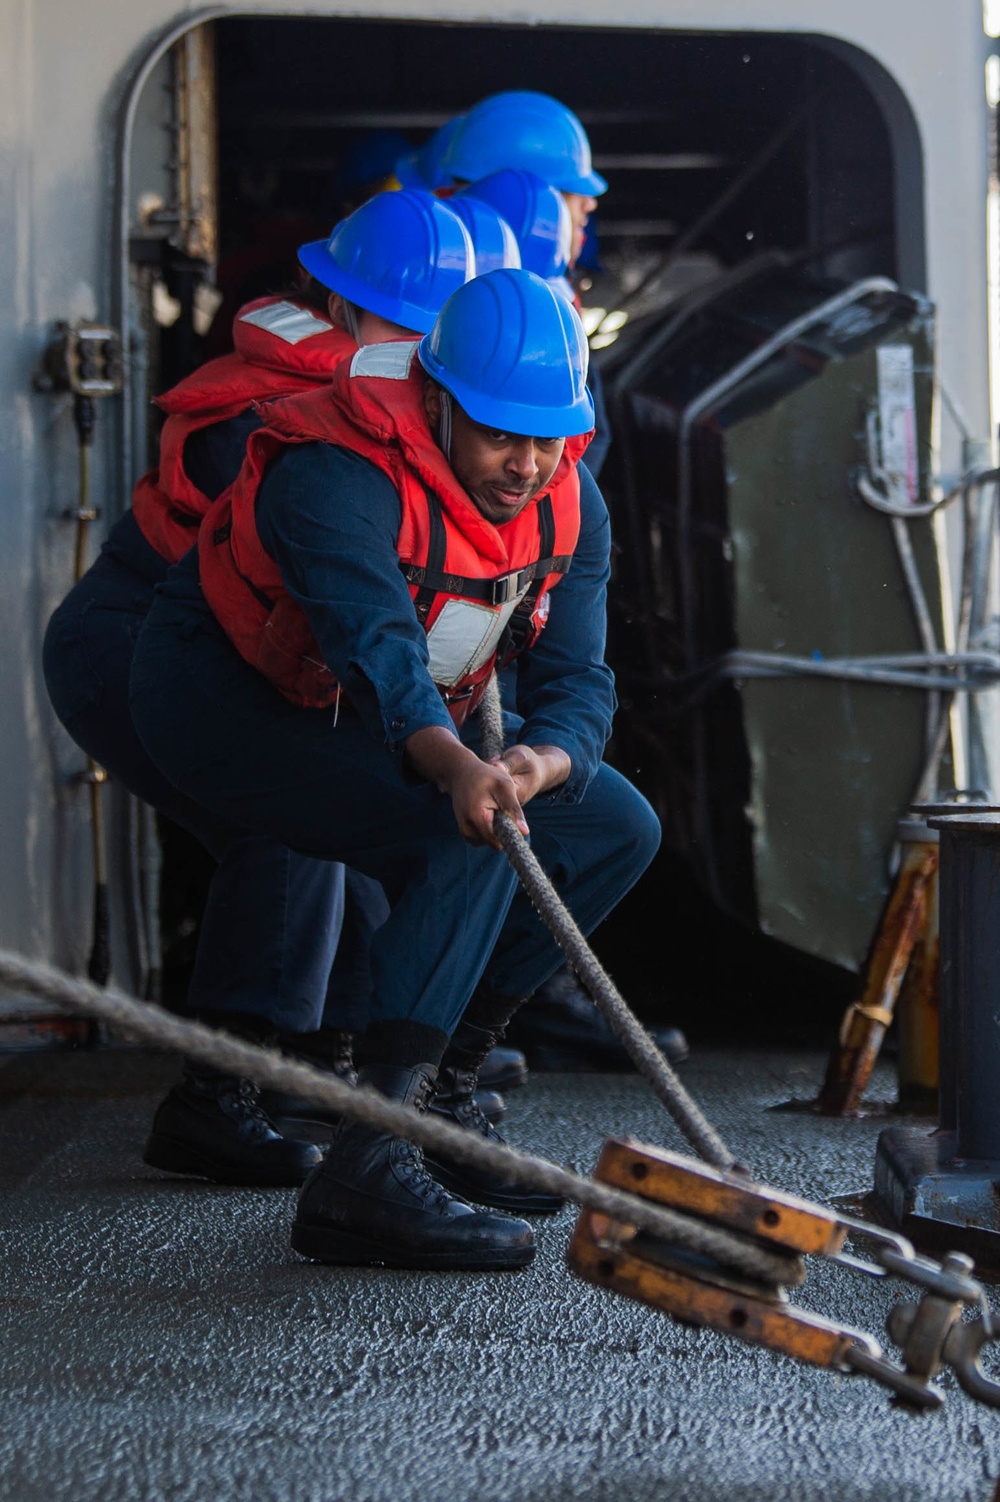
(498, 152)
(312, 674)
(421, 167)
(272, 917)
(533, 132)
(368, 167)
(524, 130)
(537, 215)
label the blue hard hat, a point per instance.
(564, 287)
(369, 160)
(535, 212)
(529, 131)
(400, 255)
(513, 354)
(493, 240)
(422, 168)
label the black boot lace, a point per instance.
(457, 1093)
(411, 1170)
(408, 1160)
(342, 1056)
(241, 1101)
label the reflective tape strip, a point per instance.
(287, 322)
(391, 361)
(463, 638)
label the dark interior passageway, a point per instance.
(718, 149)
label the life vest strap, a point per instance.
(498, 591)
(423, 601)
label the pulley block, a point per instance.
(701, 1289)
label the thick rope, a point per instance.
(609, 1001)
(141, 1020)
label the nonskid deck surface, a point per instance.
(158, 1339)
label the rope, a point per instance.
(899, 670)
(609, 1001)
(142, 1020)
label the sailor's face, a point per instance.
(501, 472)
(581, 206)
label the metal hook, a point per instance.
(911, 1392)
(962, 1350)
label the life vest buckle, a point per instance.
(509, 586)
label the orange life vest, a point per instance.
(480, 591)
(281, 347)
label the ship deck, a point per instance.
(158, 1339)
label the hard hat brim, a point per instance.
(590, 184)
(317, 260)
(511, 417)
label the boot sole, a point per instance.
(344, 1249)
(518, 1204)
(177, 1157)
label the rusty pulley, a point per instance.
(703, 1290)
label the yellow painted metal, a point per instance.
(866, 1021)
(920, 1016)
(729, 1198)
(755, 1317)
(616, 1256)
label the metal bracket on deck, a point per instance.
(699, 1290)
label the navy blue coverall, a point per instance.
(335, 782)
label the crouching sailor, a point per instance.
(313, 674)
(272, 919)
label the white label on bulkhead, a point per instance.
(897, 411)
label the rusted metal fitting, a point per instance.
(700, 1289)
(901, 932)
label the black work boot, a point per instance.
(327, 1049)
(455, 1097)
(212, 1125)
(503, 1069)
(373, 1201)
(490, 1102)
(560, 1029)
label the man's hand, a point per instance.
(535, 769)
(476, 788)
(477, 792)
